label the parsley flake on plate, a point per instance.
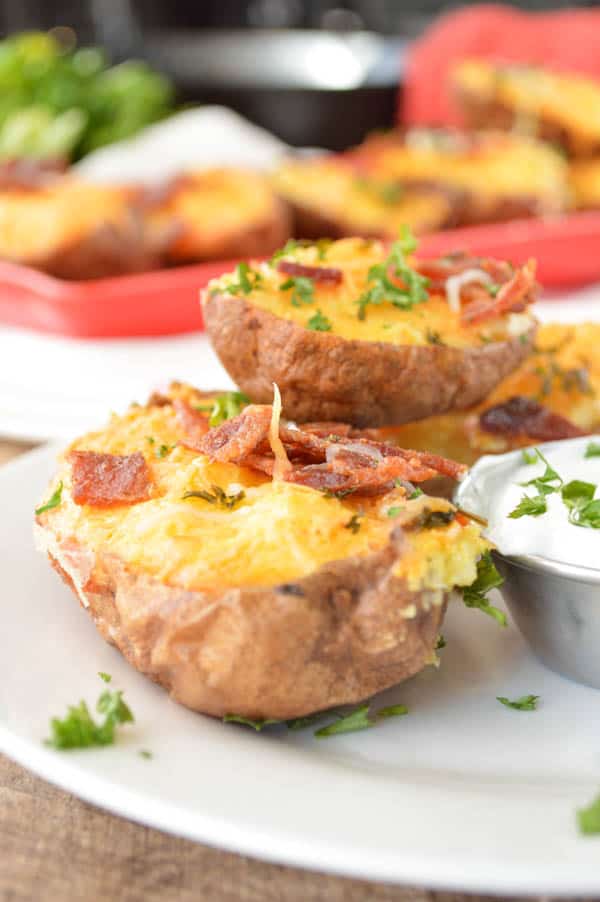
(359, 719)
(257, 725)
(394, 280)
(529, 457)
(488, 578)
(529, 506)
(588, 819)
(78, 729)
(592, 449)
(54, 500)
(525, 703)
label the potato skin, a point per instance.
(338, 636)
(325, 377)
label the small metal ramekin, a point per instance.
(556, 606)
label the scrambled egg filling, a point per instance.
(429, 322)
(273, 533)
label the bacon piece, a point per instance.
(326, 429)
(193, 422)
(235, 439)
(327, 275)
(103, 480)
(523, 417)
(513, 297)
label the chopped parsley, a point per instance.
(588, 819)
(381, 287)
(577, 496)
(488, 578)
(302, 288)
(54, 500)
(299, 723)
(440, 643)
(338, 493)
(163, 450)
(433, 519)
(353, 523)
(584, 509)
(529, 507)
(104, 676)
(592, 450)
(78, 729)
(433, 338)
(416, 493)
(224, 407)
(359, 719)
(145, 753)
(257, 725)
(319, 323)
(247, 279)
(394, 511)
(546, 484)
(525, 703)
(218, 496)
(150, 439)
(292, 245)
(493, 288)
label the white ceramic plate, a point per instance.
(461, 794)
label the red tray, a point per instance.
(162, 303)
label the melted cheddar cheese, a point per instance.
(585, 184)
(563, 374)
(491, 166)
(357, 205)
(567, 100)
(276, 533)
(211, 206)
(431, 319)
(37, 223)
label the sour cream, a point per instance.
(492, 490)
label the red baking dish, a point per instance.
(162, 303)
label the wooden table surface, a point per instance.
(55, 848)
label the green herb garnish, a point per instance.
(433, 519)
(416, 493)
(104, 676)
(257, 725)
(529, 507)
(78, 729)
(217, 496)
(353, 523)
(488, 578)
(302, 288)
(440, 643)
(588, 819)
(247, 280)
(592, 450)
(145, 753)
(319, 323)
(529, 457)
(584, 509)
(54, 500)
(493, 288)
(359, 719)
(525, 703)
(544, 482)
(394, 511)
(380, 285)
(433, 338)
(224, 407)
(163, 450)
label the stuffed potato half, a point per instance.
(351, 331)
(266, 596)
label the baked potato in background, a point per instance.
(490, 176)
(245, 593)
(328, 197)
(584, 177)
(218, 214)
(554, 394)
(351, 331)
(76, 230)
(558, 107)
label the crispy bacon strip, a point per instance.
(239, 437)
(193, 422)
(513, 297)
(103, 480)
(328, 275)
(337, 464)
(523, 417)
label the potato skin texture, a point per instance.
(335, 637)
(325, 377)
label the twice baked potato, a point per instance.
(329, 197)
(491, 176)
(256, 568)
(559, 107)
(75, 230)
(219, 214)
(354, 332)
(554, 394)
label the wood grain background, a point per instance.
(55, 848)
